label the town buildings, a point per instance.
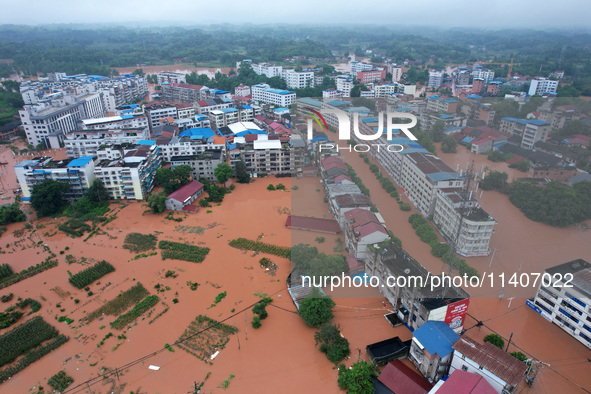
(541, 86)
(435, 79)
(165, 77)
(263, 93)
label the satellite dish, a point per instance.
(407, 271)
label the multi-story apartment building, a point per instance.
(394, 88)
(183, 92)
(442, 104)
(344, 85)
(428, 119)
(171, 77)
(223, 117)
(267, 69)
(540, 86)
(331, 93)
(159, 111)
(435, 78)
(242, 90)
(478, 85)
(569, 307)
(298, 79)
(128, 171)
(421, 175)
(115, 122)
(414, 304)
(77, 173)
(561, 116)
(366, 77)
(184, 110)
(268, 156)
(188, 146)
(463, 77)
(264, 94)
(483, 73)
(203, 164)
(463, 222)
(204, 107)
(49, 119)
(530, 131)
(88, 142)
(357, 66)
(396, 72)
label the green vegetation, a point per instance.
(519, 355)
(320, 239)
(11, 214)
(91, 274)
(226, 382)
(330, 342)
(241, 172)
(27, 273)
(495, 340)
(270, 187)
(357, 180)
(308, 261)
(5, 271)
(180, 251)
(213, 336)
(496, 156)
(522, 165)
(172, 179)
(138, 309)
(10, 99)
(358, 379)
(120, 303)
(218, 298)
(223, 172)
(256, 246)
(316, 309)
(138, 243)
(448, 144)
(47, 197)
(259, 311)
(157, 202)
(554, 204)
(60, 381)
(27, 339)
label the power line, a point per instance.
(85, 385)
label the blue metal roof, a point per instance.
(320, 138)
(473, 96)
(437, 337)
(146, 142)
(370, 120)
(279, 91)
(80, 162)
(309, 101)
(443, 176)
(444, 116)
(205, 132)
(337, 103)
(26, 163)
(467, 140)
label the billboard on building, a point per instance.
(456, 314)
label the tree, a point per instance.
(223, 172)
(156, 202)
(358, 378)
(270, 187)
(522, 165)
(138, 71)
(437, 131)
(494, 180)
(519, 355)
(242, 175)
(448, 145)
(495, 340)
(575, 127)
(47, 197)
(97, 191)
(316, 309)
(172, 179)
(330, 342)
(11, 214)
(216, 193)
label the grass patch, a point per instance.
(180, 251)
(256, 246)
(136, 312)
(90, 274)
(139, 243)
(120, 303)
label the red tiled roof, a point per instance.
(251, 137)
(219, 140)
(186, 191)
(463, 382)
(370, 228)
(493, 359)
(514, 159)
(353, 263)
(401, 379)
(190, 208)
(481, 141)
(182, 105)
(313, 224)
(361, 216)
(342, 178)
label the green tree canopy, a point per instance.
(495, 340)
(97, 191)
(156, 202)
(316, 309)
(242, 175)
(223, 172)
(358, 379)
(172, 179)
(47, 197)
(330, 342)
(437, 130)
(11, 214)
(448, 144)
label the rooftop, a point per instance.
(185, 192)
(437, 337)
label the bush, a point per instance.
(270, 187)
(91, 274)
(137, 311)
(280, 186)
(330, 342)
(439, 250)
(404, 206)
(256, 246)
(180, 251)
(495, 340)
(320, 239)
(256, 322)
(316, 309)
(60, 381)
(518, 355)
(357, 379)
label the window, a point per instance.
(464, 368)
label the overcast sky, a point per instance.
(538, 14)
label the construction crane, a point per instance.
(501, 64)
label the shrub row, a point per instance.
(25, 337)
(90, 274)
(243, 243)
(27, 273)
(75, 227)
(136, 312)
(180, 251)
(357, 180)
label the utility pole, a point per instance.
(508, 343)
(530, 375)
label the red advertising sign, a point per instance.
(456, 313)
